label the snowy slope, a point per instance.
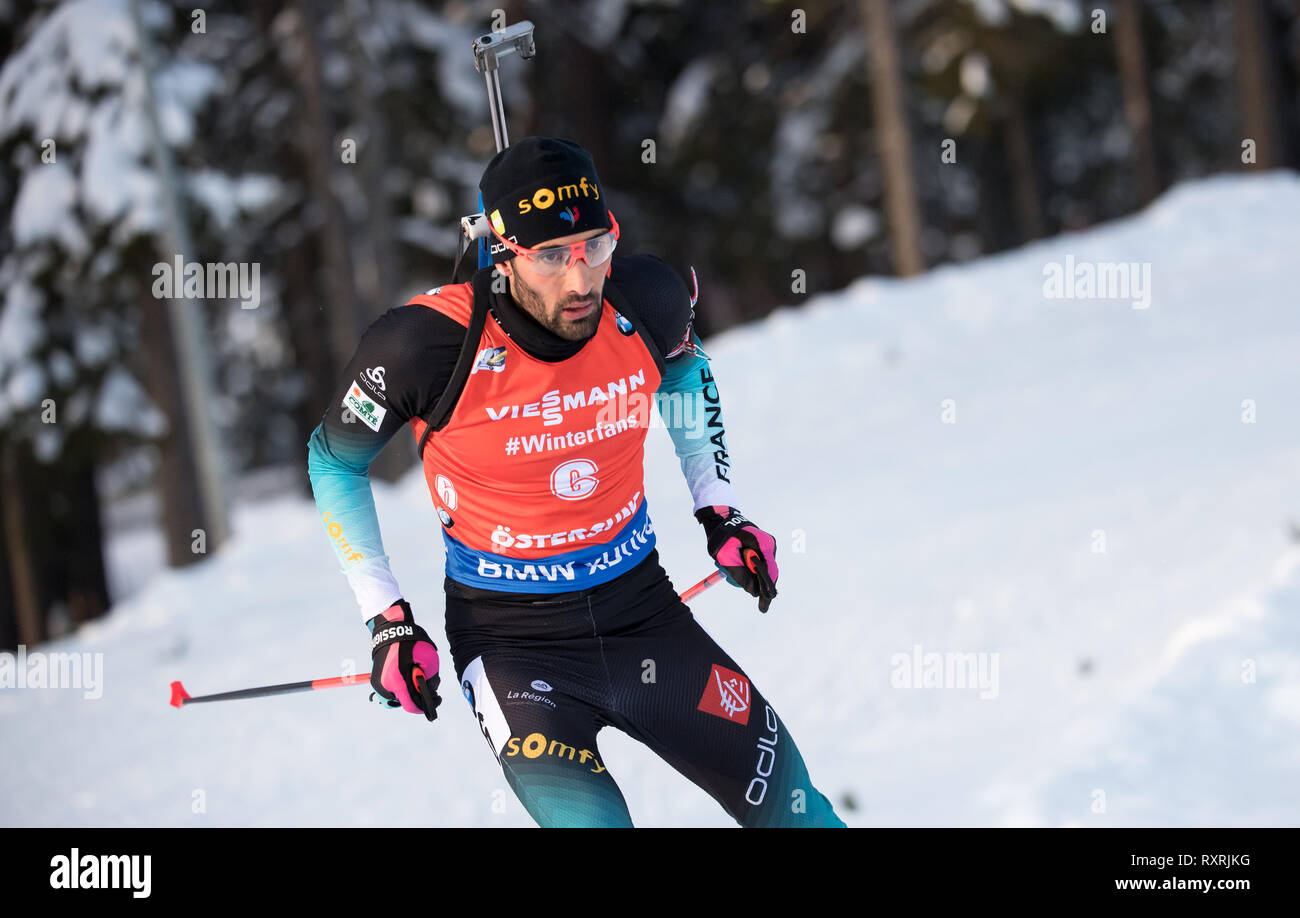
(1156, 682)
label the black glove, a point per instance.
(404, 669)
(745, 553)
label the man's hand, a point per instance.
(745, 553)
(405, 662)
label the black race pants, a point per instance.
(544, 672)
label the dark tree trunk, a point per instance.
(893, 139)
(376, 272)
(21, 520)
(8, 608)
(81, 545)
(1131, 55)
(51, 539)
(181, 508)
(993, 224)
(319, 156)
(1029, 208)
(1257, 83)
(307, 330)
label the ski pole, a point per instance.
(751, 561)
(181, 697)
(703, 585)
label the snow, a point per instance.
(26, 386)
(124, 405)
(62, 368)
(20, 328)
(686, 100)
(93, 343)
(974, 74)
(44, 207)
(464, 86)
(100, 38)
(83, 48)
(114, 182)
(801, 134)
(991, 12)
(224, 197)
(853, 225)
(183, 88)
(1066, 15)
(1156, 682)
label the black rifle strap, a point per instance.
(438, 417)
(619, 302)
(440, 414)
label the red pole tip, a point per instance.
(179, 695)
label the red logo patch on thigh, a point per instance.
(726, 695)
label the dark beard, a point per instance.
(569, 329)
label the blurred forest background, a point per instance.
(781, 149)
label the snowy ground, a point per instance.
(1155, 682)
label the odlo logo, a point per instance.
(757, 789)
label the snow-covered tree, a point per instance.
(81, 376)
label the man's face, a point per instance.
(569, 304)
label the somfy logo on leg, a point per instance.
(574, 479)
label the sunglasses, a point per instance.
(554, 260)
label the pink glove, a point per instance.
(745, 553)
(405, 662)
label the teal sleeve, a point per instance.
(691, 407)
(338, 466)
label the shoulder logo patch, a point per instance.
(363, 407)
(490, 358)
(623, 324)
